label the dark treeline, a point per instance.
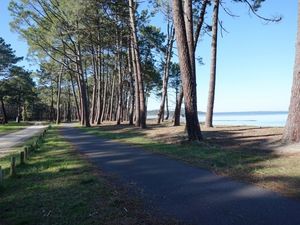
(18, 93)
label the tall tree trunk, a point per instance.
(137, 96)
(111, 107)
(104, 108)
(59, 78)
(138, 64)
(75, 99)
(187, 67)
(196, 37)
(177, 111)
(18, 119)
(84, 94)
(99, 89)
(166, 75)
(82, 82)
(292, 127)
(52, 103)
(131, 101)
(94, 94)
(189, 30)
(167, 107)
(213, 66)
(200, 22)
(69, 114)
(120, 84)
(3, 110)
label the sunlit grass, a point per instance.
(12, 127)
(57, 186)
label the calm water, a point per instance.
(262, 119)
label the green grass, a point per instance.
(12, 127)
(199, 154)
(57, 186)
(279, 173)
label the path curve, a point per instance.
(13, 139)
(190, 194)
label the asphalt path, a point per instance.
(190, 194)
(7, 142)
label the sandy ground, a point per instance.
(225, 137)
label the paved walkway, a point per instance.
(13, 139)
(190, 194)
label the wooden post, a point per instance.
(22, 158)
(26, 153)
(1, 176)
(13, 167)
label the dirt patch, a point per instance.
(226, 137)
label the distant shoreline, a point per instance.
(250, 118)
(155, 112)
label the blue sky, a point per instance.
(255, 60)
(10, 37)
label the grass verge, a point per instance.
(278, 173)
(57, 186)
(12, 127)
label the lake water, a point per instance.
(262, 119)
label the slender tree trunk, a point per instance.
(177, 111)
(132, 98)
(18, 119)
(167, 107)
(189, 30)
(120, 84)
(99, 96)
(52, 103)
(24, 112)
(166, 76)
(185, 45)
(94, 94)
(93, 106)
(69, 114)
(200, 22)
(104, 106)
(75, 99)
(84, 93)
(137, 96)
(213, 68)
(112, 99)
(58, 116)
(292, 127)
(4, 111)
(138, 64)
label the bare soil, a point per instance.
(225, 137)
